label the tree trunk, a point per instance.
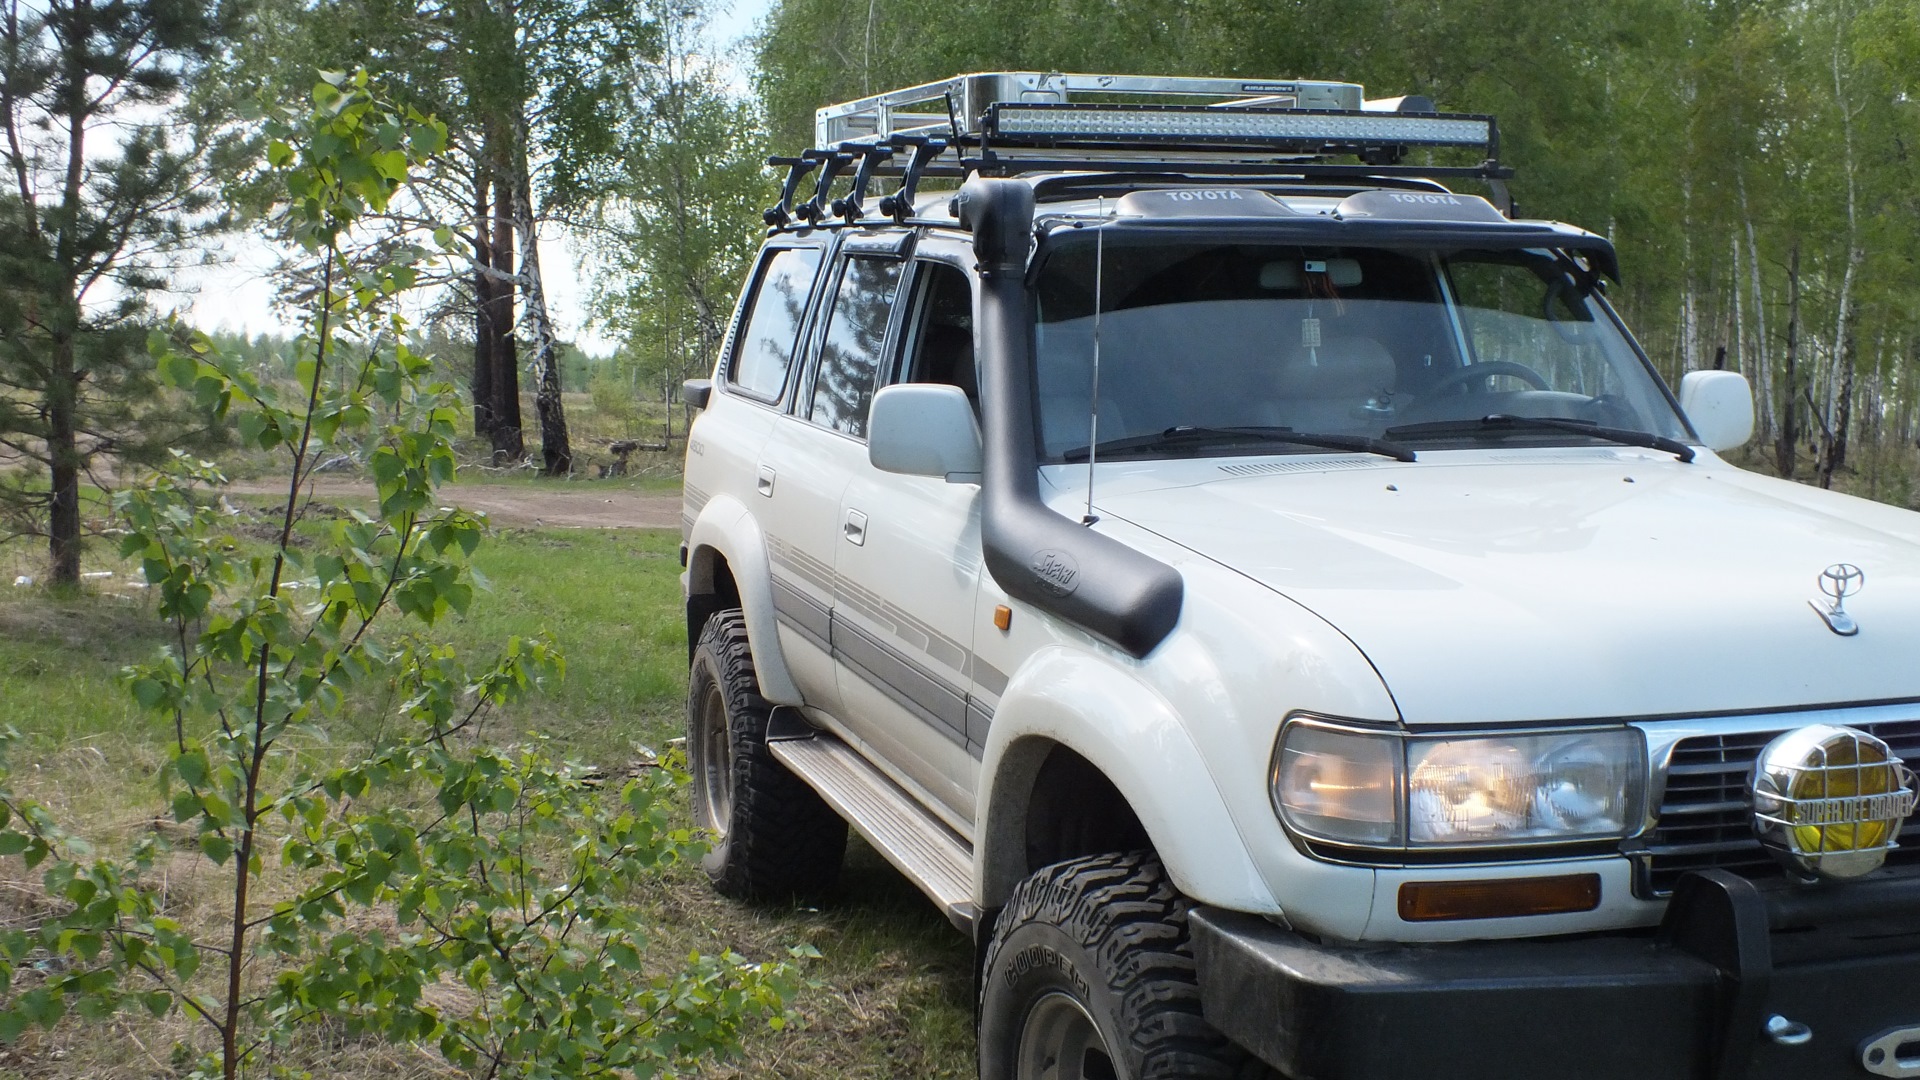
(556, 452)
(509, 442)
(1762, 363)
(63, 382)
(1737, 315)
(485, 419)
(1840, 400)
(1834, 452)
(63, 458)
(1789, 400)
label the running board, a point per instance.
(919, 845)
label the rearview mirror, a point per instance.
(924, 429)
(1719, 404)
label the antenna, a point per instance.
(1093, 399)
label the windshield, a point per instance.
(1418, 347)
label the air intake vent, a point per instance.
(1315, 465)
(1557, 454)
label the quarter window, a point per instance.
(856, 335)
(765, 352)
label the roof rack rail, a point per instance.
(1009, 123)
(964, 99)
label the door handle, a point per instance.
(764, 483)
(855, 528)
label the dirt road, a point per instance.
(564, 506)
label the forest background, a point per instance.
(1752, 159)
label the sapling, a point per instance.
(502, 870)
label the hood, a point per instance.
(1490, 588)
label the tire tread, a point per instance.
(784, 840)
(1126, 913)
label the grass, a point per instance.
(890, 997)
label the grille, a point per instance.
(1703, 820)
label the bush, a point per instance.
(501, 871)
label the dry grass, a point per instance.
(890, 997)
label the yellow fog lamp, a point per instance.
(1829, 801)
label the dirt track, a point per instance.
(566, 506)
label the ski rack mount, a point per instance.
(1009, 123)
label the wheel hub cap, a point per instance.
(1061, 1042)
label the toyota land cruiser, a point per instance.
(1265, 596)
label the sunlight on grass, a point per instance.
(892, 993)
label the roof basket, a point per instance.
(1011, 122)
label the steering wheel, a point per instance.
(1487, 368)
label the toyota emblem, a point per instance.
(1837, 582)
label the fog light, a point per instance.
(1439, 901)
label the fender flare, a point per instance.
(1127, 731)
(727, 529)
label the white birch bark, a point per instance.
(1762, 365)
(1842, 319)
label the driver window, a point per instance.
(940, 328)
(1531, 314)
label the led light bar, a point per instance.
(1056, 125)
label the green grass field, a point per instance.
(890, 996)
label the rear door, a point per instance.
(793, 487)
(817, 448)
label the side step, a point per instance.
(914, 841)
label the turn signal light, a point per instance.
(1437, 901)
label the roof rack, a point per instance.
(1008, 123)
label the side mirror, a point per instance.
(924, 429)
(1719, 404)
(696, 392)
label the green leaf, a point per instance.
(149, 692)
(41, 1006)
(216, 847)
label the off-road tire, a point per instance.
(779, 839)
(1108, 932)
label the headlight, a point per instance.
(1517, 788)
(1386, 789)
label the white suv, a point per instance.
(1269, 600)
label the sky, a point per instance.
(236, 294)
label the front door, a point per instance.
(908, 568)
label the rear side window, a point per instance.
(856, 334)
(765, 351)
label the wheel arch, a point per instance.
(727, 567)
(1080, 752)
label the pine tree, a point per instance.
(103, 191)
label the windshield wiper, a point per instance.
(1500, 423)
(1182, 435)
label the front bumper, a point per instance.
(1690, 1001)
